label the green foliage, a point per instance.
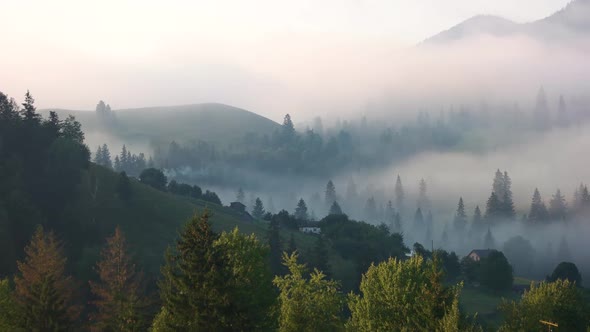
(213, 282)
(306, 305)
(193, 276)
(249, 281)
(401, 295)
(8, 308)
(154, 178)
(560, 302)
(495, 272)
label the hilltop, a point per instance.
(211, 122)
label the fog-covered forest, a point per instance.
(265, 166)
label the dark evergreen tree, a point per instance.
(557, 207)
(192, 285)
(29, 111)
(423, 201)
(106, 157)
(117, 164)
(507, 201)
(288, 129)
(477, 221)
(211, 197)
(460, 216)
(330, 195)
(301, 211)
(335, 209)
(98, 156)
(495, 272)
(258, 209)
(538, 212)
(493, 209)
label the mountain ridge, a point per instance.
(571, 21)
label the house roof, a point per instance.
(482, 253)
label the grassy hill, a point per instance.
(150, 219)
(215, 123)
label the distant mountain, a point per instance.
(573, 21)
(215, 123)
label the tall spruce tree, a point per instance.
(120, 302)
(192, 282)
(493, 209)
(460, 216)
(45, 295)
(335, 209)
(477, 222)
(258, 209)
(489, 242)
(508, 211)
(330, 194)
(106, 157)
(538, 212)
(301, 211)
(557, 207)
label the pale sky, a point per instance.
(71, 53)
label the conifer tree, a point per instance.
(45, 295)
(119, 296)
(106, 157)
(562, 116)
(98, 156)
(506, 200)
(335, 208)
(330, 195)
(124, 159)
(301, 210)
(460, 215)
(117, 164)
(538, 212)
(557, 207)
(498, 185)
(192, 280)
(258, 209)
(477, 222)
(493, 209)
(423, 201)
(29, 111)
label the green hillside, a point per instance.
(151, 218)
(215, 123)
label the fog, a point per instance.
(309, 68)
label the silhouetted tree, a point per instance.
(460, 215)
(154, 178)
(538, 212)
(399, 194)
(557, 206)
(566, 271)
(335, 209)
(330, 195)
(301, 210)
(258, 209)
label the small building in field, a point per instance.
(477, 254)
(238, 206)
(310, 230)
